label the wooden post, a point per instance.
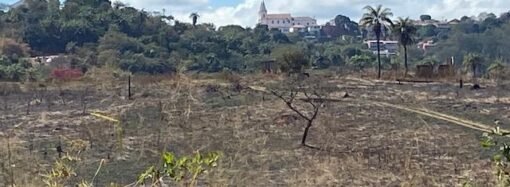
(59, 148)
(9, 159)
(129, 87)
(28, 107)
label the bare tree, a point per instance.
(311, 98)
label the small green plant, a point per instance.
(498, 142)
(63, 169)
(184, 170)
(61, 172)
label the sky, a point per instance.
(244, 12)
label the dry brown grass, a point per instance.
(362, 144)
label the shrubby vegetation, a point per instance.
(12, 66)
(104, 33)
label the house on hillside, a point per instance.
(298, 29)
(454, 22)
(387, 47)
(54, 61)
(426, 45)
(425, 22)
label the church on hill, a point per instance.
(284, 22)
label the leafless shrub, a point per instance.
(306, 96)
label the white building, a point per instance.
(426, 45)
(297, 29)
(284, 22)
(387, 47)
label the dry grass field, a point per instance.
(375, 137)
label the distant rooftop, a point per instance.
(278, 16)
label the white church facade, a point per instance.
(285, 22)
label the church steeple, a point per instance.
(262, 11)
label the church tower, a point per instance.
(262, 12)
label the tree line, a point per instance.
(101, 33)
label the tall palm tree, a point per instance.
(405, 31)
(377, 18)
(194, 18)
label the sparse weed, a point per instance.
(497, 141)
(183, 170)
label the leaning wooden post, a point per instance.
(28, 107)
(129, 87)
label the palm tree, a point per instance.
(194, 18)
(496, 69)
(377, 18)
(405, 32)
(472, 61)
(214, 64)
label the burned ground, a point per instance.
(362, 143)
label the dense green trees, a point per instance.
(361, 61)
(427, 31)
(490, 44)
(344, 26)
(425, 17)
(102, 33)
(12, 66)
(291, 59)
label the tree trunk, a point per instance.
(305, 134)
(405, 61)
(378, 36)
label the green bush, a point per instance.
(291, 59)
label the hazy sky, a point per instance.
(244, 12)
